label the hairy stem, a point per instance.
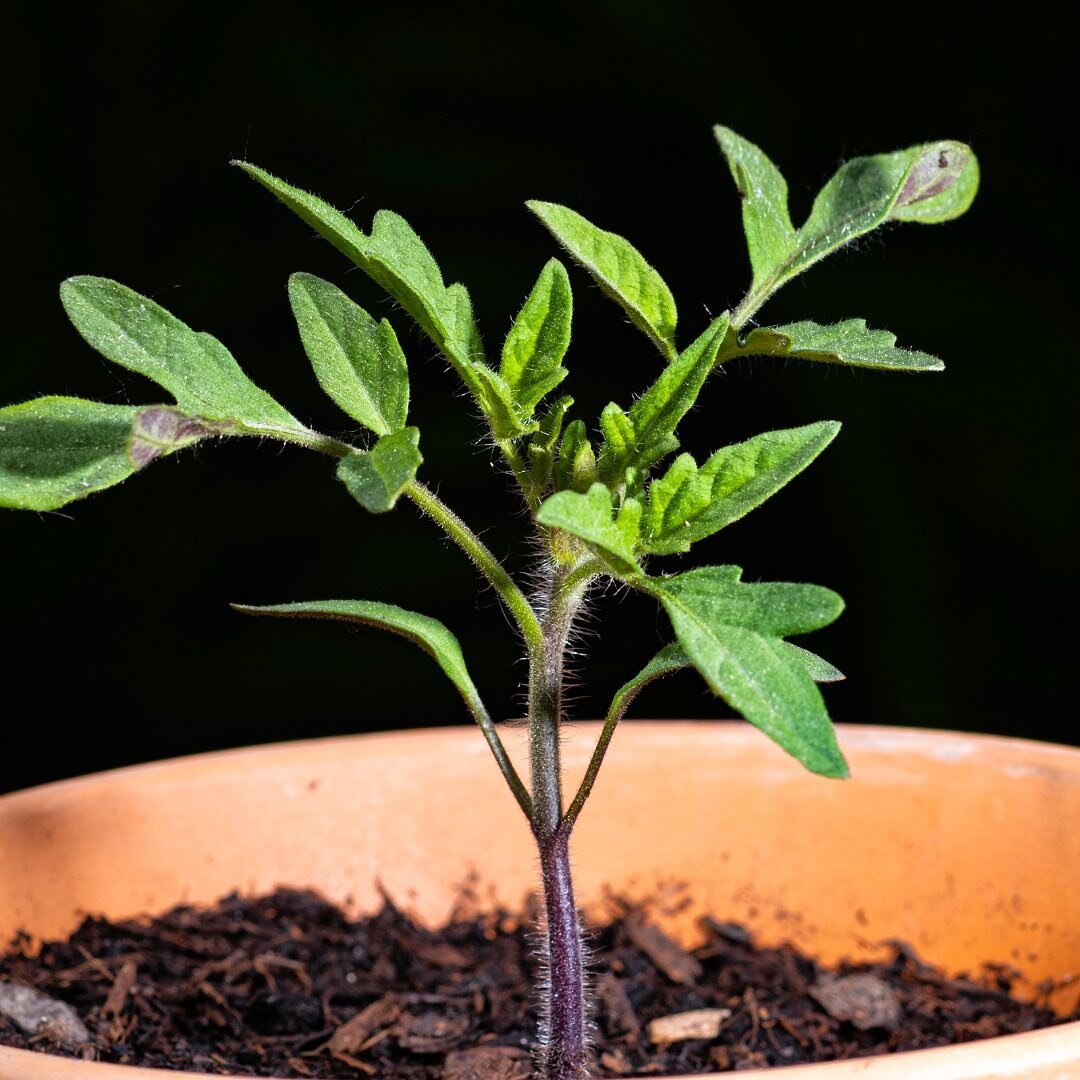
(485, 562)
(563, 1038)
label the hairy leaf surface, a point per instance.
(732, 633)
(55, 450)
(591, 518)
(639, 438)
(377, 477)
(619, 269)
(533, 353)
(689, 503)
(200, 373)
(357, 360)
(848, 342)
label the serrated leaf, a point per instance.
(200, 373)
(641, 437)
(818, 668)
(669, 659)
(731, 632)
(848, 342)
(430, 634)
(497, 401)
(55, 450)
(357, 360)
(533, 353)
(575, 468)
(689, 503)
(592, 518)
(770, 234)
(618, 268)
(377, 477)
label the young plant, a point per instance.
(600, 502)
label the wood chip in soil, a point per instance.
(286, 985)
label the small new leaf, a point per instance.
(848, 342)
(689, 503)
(732, 633)
(200, 373)
(575, 468)
(534, 349)
(591, 517)
(377, 477)
(641, 437)
(619, 269)
(357, 360)
(55, 450)
(430, 634)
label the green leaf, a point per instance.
(576, 465)
(534, 349)
(542, 444)
(849, 342)
(591, 517)
(134, 332)
(641, 437)
(430, 634)
(55, 450)
(357, 361)
(731, 631)
(669, 659)
(929, 183)
(818, 668)
(770, 235)
(377, 477)
(689, 503)
(619, 269)
(396, 259)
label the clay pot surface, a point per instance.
(966, 846)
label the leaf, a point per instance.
(397, 259)
(534, 349)
(357, 361)
(641, 437)
(55, 450)
(543, 442)
(377, 477)
(669, 659)
(731, 631)
(929, 183)
(619, 269)
(576, 465)
(848, 342)
(200, 373)
(819, 669)
(591, 518)
(430, 634)
(689, 503)
(770, 235)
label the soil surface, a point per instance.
(286, 985)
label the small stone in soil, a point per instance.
(40, 1015)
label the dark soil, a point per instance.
(287, 986)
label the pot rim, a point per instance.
(1051, 1053)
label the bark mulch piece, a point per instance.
(286, 985)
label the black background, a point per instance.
(944, 513)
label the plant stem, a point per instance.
(563, 1035)
(486, 563)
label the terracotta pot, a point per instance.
(968, 847)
